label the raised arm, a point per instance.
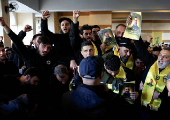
(22, 33)
(75, 38)
(44, 24)
(16, 39)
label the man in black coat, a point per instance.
(7, 67)
(62, 42)
(92, 99)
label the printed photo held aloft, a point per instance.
(107, 37)
(133, 30)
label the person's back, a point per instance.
(91, 100)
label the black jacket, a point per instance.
(62, 47)
(94, 103)
(33, 59)
(9, 68)
(88, 102)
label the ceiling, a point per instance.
(36, 6)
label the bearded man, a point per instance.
(154, 92)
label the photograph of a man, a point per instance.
(126, 92)
(135, 24)
(107, 38)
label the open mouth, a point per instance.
(65, 30)
(160, 62)
(44, 53)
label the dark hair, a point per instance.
(167, 48)
(1, 45)
(32, 71)
(138, 57)
(112, 62)
(86, 43)
(60, 70)
(44, 40)
(95, 26)
(157, 49)
(35, 36)
(85, 27)
(120, 25)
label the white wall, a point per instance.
(22, 20)
(50, 23)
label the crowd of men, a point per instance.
(71, 75)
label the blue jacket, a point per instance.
(91, 102)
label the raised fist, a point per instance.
(76, 13)
(45, 14)
(27, 28)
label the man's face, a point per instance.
(65, 26)
(87, 51)
(95, 34)
(64, 79)
(113, 73)
(155, 53)
(8, 53)
(163, 59)
(44, 49)
(106, 35)
(34, 80)
(139, 63)
(2, 54)
(124, 53)
(120, 31)
(87, 34)
(135, 21)
(127, 89)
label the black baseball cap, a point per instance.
(91, 67)
(65, 18)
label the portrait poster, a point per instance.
(133, 30)
(156, 38)
(126, 89)
(107, 37)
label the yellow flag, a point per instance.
(157, 38)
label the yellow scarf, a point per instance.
(95, 49)
(154, 81)
(129, 63)
(122, 75)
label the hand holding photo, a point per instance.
(126, 89)
(107, 37)
(133, 30)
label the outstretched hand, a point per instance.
(45, 14)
